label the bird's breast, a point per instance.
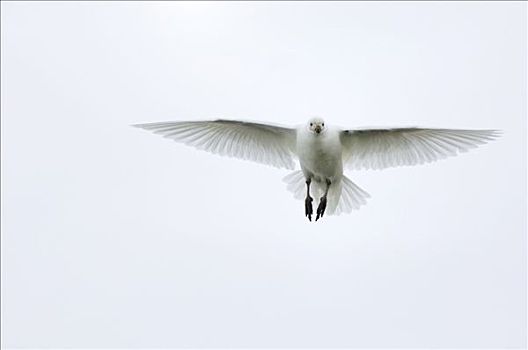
(320, 154)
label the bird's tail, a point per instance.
(343, 196)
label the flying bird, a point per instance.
(322, 151)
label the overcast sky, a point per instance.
(114, 237)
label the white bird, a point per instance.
(322, 152)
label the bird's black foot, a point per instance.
(321, 208)
(308, 209)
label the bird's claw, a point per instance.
(321, 208)
(308, 209)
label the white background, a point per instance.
(115, 237)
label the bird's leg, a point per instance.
(308, 210)
(322, 203)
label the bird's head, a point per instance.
(316, 125)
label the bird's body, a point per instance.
(320, 155)
(323, 152)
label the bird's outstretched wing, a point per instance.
(262, 143)
(384, 148)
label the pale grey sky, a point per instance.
(114, 237)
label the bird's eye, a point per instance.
(322, 124)
(311, 124)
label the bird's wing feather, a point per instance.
(262, 143)
(384, 148)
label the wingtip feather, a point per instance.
(139, 126)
